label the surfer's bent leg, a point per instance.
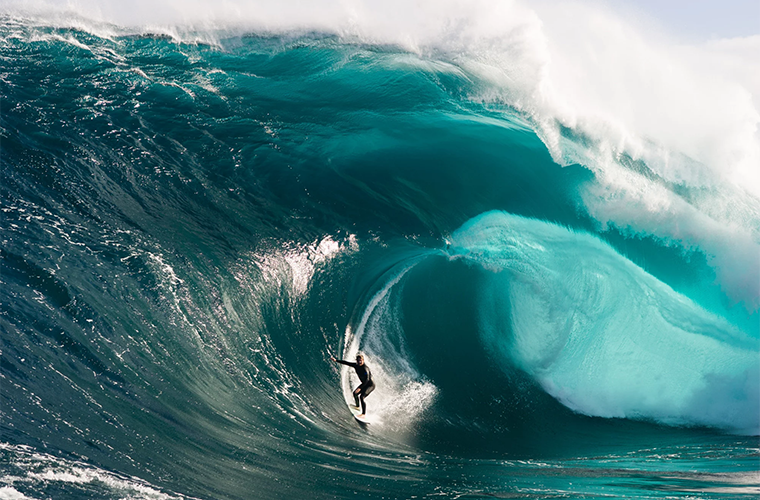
(356, 395)
(363, 391)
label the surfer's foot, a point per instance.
(361, 416)
(354, 407)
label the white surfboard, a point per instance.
(365, 420)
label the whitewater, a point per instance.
(539, 221)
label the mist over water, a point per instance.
(542, 234)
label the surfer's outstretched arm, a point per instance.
(347, 363)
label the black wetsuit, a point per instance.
(366, 386)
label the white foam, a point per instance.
(302, 260)
(690, 110)
(9, 493)
(39, 470)
(401, 393)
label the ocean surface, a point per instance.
(550, 260)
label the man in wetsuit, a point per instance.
(365, 377)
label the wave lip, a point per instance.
(603, 336)
(688, 113)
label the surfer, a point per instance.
(365, 377)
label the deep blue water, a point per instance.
(190, 230)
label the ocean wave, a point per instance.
(199, 209)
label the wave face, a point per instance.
(194, 220)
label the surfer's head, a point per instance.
(360, 359)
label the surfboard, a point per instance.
(362, 420)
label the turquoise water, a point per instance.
(192, 224)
